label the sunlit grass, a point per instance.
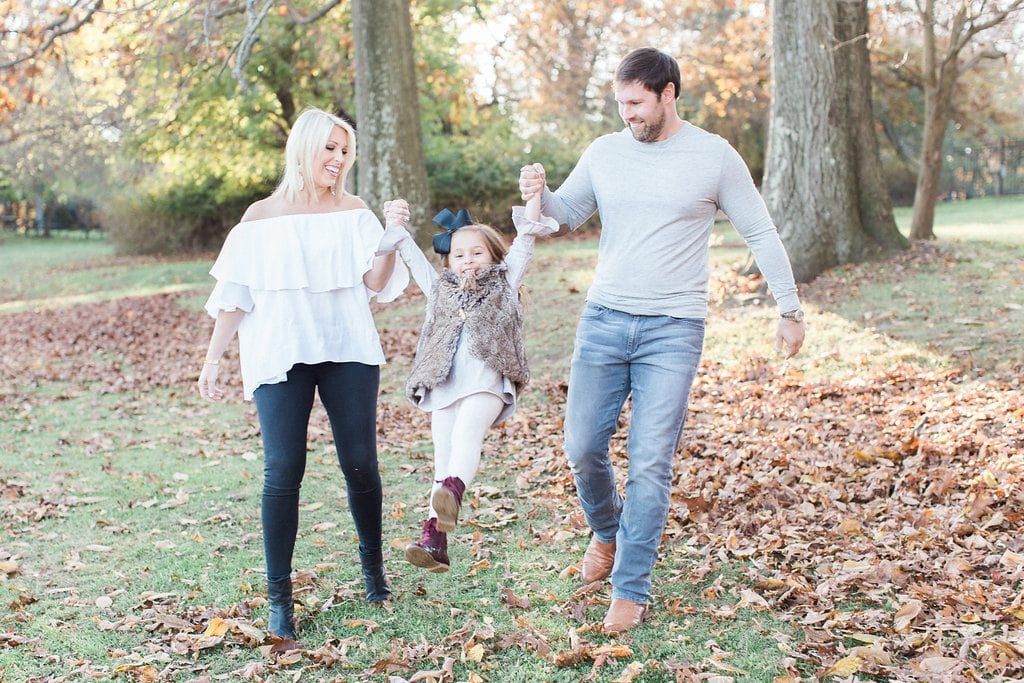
(996, 219)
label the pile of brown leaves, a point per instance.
(132, 344)
(881, 511)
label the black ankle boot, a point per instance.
(282, 609)
(377, 589)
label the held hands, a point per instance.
(396, 211)
(532, 180)
(208, 388)
(789, 337)
(396, 217)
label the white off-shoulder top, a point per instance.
(299, 278)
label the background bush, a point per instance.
(480, 171)
(184, 218)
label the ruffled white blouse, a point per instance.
(299, 278)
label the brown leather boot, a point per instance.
(597, 561)
(431, 551)
(623, 615)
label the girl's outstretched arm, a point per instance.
(529, 224)
(396, 214)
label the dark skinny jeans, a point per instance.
(349, 393)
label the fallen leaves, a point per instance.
(905, 616)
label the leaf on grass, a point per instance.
(250, 633)
(716, 661)
(370, 625)
(1008, 559)
(629, 674)
(180, 498)
(475, 653)
(437, 674)
(512, 601)
(939, 665)
(847, 666)
(145, 673)
(614, 650)
(216, 627)
(751, 599)
(905, 615)
(849, 526)
(874, 653)
(573, 656)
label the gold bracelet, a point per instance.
(211, 362)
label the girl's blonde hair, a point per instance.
(309, 135)
(496, 246)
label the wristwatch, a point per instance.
(796, 316)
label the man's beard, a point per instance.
(648, 132)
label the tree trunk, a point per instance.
(41, 228)
(854, 64)
(823, 182)
(390, 146)
(936, 120)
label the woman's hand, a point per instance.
(396, 212)
(396, 217)
(208, 388)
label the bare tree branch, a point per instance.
(56, 30)
(990, 53)
(296, 18)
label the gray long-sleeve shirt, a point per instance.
(657, 202)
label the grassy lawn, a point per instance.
(129, 533)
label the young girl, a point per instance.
(470, 361)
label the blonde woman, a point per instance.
(294, 281)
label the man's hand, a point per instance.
(532, 180)
(789, 337)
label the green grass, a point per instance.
(28, 262)
(65, 271)
(987, 219)
(120, 496)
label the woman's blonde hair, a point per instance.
(309, 135)
(496, 246)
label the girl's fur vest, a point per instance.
(488, 311)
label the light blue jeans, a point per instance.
(655, 359)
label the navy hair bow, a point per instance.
(450, 222)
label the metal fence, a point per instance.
(992, 170)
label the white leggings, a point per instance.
(458, 431)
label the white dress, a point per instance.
(299, 278)
(469, 374)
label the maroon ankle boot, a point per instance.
(447, 501)
(431, 551)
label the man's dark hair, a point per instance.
(653, 68)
